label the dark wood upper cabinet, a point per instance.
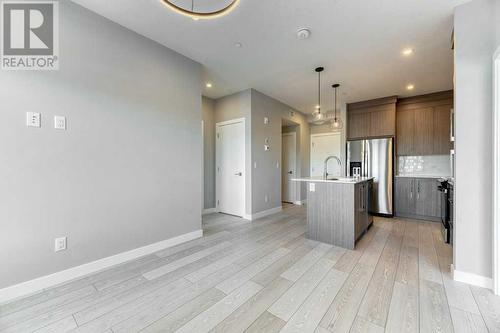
(423, 124)
(359, 125)
(405, 130)
(371, 119)
(442, 128)
(383, 123)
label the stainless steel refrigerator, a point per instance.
(375, 158)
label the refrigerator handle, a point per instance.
(367, 159)
(363, 165)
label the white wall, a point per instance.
(475, 26)
(125, 174)
(325, 128)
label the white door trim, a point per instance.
(496, 172)
(342, 152)
(217, 125)
(295, 192)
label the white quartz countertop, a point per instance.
(421, 176)
(338, 180)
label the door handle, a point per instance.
(239, 174)
(290, 172)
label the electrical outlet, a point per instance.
(60, 122)
(33, 119)
(60, 244)
(266, 198)
(312, 187)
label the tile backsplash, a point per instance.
(430, 165)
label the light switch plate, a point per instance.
(60, 244)
(60, 122)
(266, 120)
(33, 119)
(312, 187)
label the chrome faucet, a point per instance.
(325, 174)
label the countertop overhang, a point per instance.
(338, 180)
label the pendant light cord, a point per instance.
(335, 104)
(319, 92)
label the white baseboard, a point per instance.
(209, 211)
(300, 202)
(473, 279)
(262, 214)
(44, 282)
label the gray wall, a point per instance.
(208, 115)
(125, 174)
(262, 176)
(266, 173)
(235, 106)
(474, 47)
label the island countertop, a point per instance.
(338, 180)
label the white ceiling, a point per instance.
(359, 42)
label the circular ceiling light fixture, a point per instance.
(188, 8)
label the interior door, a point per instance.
(231, 168)
(322, 146)
(288, 171)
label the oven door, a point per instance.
(445, 215)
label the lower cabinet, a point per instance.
(417, 198)
(362, 219)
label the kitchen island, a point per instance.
(337, 209)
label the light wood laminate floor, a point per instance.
(265, 276)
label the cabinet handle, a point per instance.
(418, 189)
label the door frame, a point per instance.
(217, 177)
(295, 191)
(496, 172)
(342, 148)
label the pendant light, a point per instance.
(317, 115)
(337, 121)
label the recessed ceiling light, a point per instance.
(209, 85)
(410, 87)
(407, 52)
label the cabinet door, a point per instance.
(428, 202)
(359, 203)
(441, 135)
(359, 125)
(405, 132)
(383, 123)
(405, 196)
(424, 128)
